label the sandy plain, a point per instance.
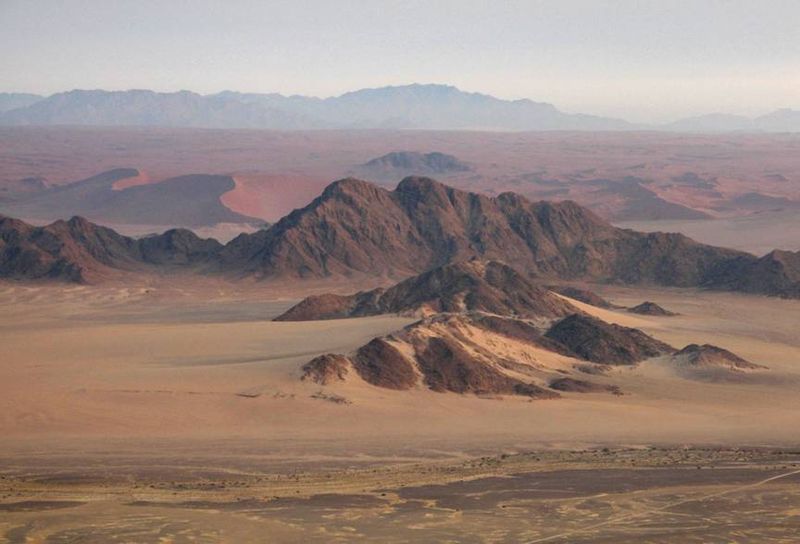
(173, 412)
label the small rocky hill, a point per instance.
(473, 285)
(650, 308)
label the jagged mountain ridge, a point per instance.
(414, 106)
(80, 251)
(357, 229)
(487, 286)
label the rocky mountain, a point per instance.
(486, 286)
(650, 308)
(710, 355)
(415, 106)
(777, 273)
(409, 106)
(707, 362)
(497, 354)
(149, 108)
(185, 201)
(443, 354)
(400, 164)
(356, 229)
(487, 354)
(80, 251)
(595, 340)
(486, 330)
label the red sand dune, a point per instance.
(270, 197)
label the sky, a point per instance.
(645, 61)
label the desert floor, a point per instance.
(174, 412)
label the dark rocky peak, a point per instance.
(650, 308)
(595, 340)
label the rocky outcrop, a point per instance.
(475, 285)
(448, 366)
(650, 308)
(381, 363)
(441, 353)
(326, 369)
(594, 340)
(708, 355)
(80, 251)
(776, 273)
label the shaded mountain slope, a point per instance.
(473, 285)
(595, 340)
(776, 273)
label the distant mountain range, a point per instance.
(413, 106)
(359, 230)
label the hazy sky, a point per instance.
(641, 60)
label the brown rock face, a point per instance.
(381, 364)
(356, 228)
(650, 308)
(440, 353)
(474, 285)
(326, 369)
(449, 367)
(594, 340)
(776, 273)
(330, 306)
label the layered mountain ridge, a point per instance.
(414, 106)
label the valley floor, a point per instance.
(174, 412)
